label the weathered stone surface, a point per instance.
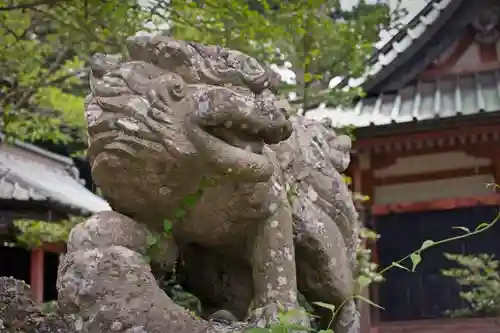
(324, 216)
(19, 314)
(194, 135)
(325, 228)
(110, 288)
(106, 229)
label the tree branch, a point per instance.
(29, 5)
(6, 116)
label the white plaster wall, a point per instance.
(462, 187)
(472, 185)
(431, 162)
(470, 58)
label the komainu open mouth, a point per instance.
(251, 136)
(241, 138)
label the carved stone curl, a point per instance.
(272, 214)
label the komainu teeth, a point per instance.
(242, 136)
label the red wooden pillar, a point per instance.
(495, 159)
(363, 182)
(359, 186)
(36, 274)
(369, 188)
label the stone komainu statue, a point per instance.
(272, 215)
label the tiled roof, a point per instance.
(439, 98)
(31, 173)
(404, 39)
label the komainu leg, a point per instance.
(273, 264)
(324, 272)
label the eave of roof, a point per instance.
(47, 177)
(481, 118)
(443, 98)
(39, 151)
(400, 59)
(406, 41)
(398, 101)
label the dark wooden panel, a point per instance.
(51, 262)
(426, 293)
(15, 261)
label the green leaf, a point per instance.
(330, 307)
(180, 213)
(426, 244)
(398, 265)
(415, 258)
(290, 327)
(191, 200)
(150, 240)
(364, 281)
(292, 313)
(259, 330)
(482, 226)
(466, 230)
(367, 301)
(167, 226)
(326, 331)
(312, 315)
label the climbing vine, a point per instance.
(159, 243)
(285, 323)
(367, 269)
(188, 202)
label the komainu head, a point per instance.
(176, 112)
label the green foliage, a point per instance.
(183, 298)
(480, 281)
(35, 233)
(187, 203)
(49, 307)
(479, 272)
(167, 226)
(42, 91)
(285, 323)
(43, 52)
(317, 38)
(367, 269)
(348, 130)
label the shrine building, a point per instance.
(427, 146)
